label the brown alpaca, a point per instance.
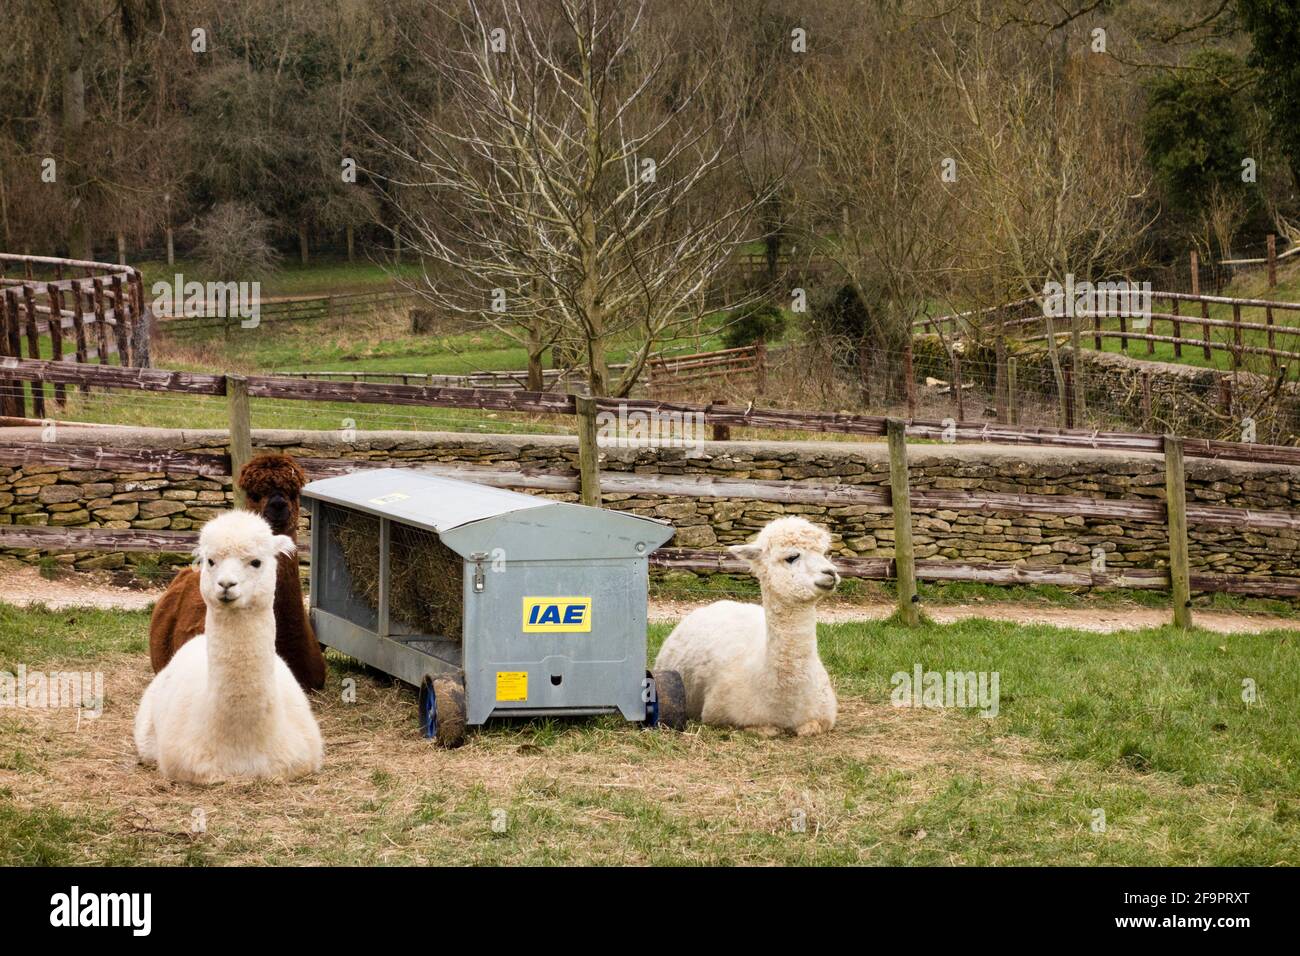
(271, 483)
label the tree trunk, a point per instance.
(536, 380)
(351, 258)
(1055, 354)
(121, 248)
(865, 370)
(1000, 374)
(302, 243)
(1076, 368)
(597, 366)
(74, 116)
(4, 216)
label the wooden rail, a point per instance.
(552, 403)
(295, 309)
(1026, 313)
(44, 538)
(102, 308)
(708, 366)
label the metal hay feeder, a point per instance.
(493, 603)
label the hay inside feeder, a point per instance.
(425, 576)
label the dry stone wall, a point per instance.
(47, 495)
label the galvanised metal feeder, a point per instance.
(491, 602)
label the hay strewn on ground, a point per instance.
(1185, 772)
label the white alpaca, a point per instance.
(757, 667)
(226, 706)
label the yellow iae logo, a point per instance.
(551, 614)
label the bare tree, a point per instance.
(577, 185)
(1052, 184)
(873, 197)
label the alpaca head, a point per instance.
(237, 556)
(789, 559)
(272, 483)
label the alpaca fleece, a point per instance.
(226, 706)
(272, 484)
(758, 667)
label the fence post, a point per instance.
(121, 323)
(1013, 393)
(909, 378)
(720, 432)
(56, 335)
(1178, 330)
(956, 387)
(1176, 509)
(588, 451)
(1205, 308)
(1069, 397)
(34, 351)
(141, 331)
(79, 325)
(1236, 336)
(904, 555)
(1272, 344)
(14, 401)
(241, 432)
(101, 321)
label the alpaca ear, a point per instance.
(284, 544)
(749, 553)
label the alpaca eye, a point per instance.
(256, 562)
(792, 559)
(211, 563)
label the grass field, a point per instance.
(1149, 727)
(319, 277)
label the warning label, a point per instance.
(512, 686)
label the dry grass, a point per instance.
(581, 792)
(1080, 730)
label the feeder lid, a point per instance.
(409, 496)
(538, 527)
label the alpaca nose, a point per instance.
(225, 589)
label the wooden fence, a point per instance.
(590, 482)
(558, 403)
(1186, 320)
(90, 311)
(295, 309)
(665, 370)
(679, 370)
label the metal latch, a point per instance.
(478, 557)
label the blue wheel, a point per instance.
(652, 705)
(428, 709)
(442, 710)
(667, 704)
